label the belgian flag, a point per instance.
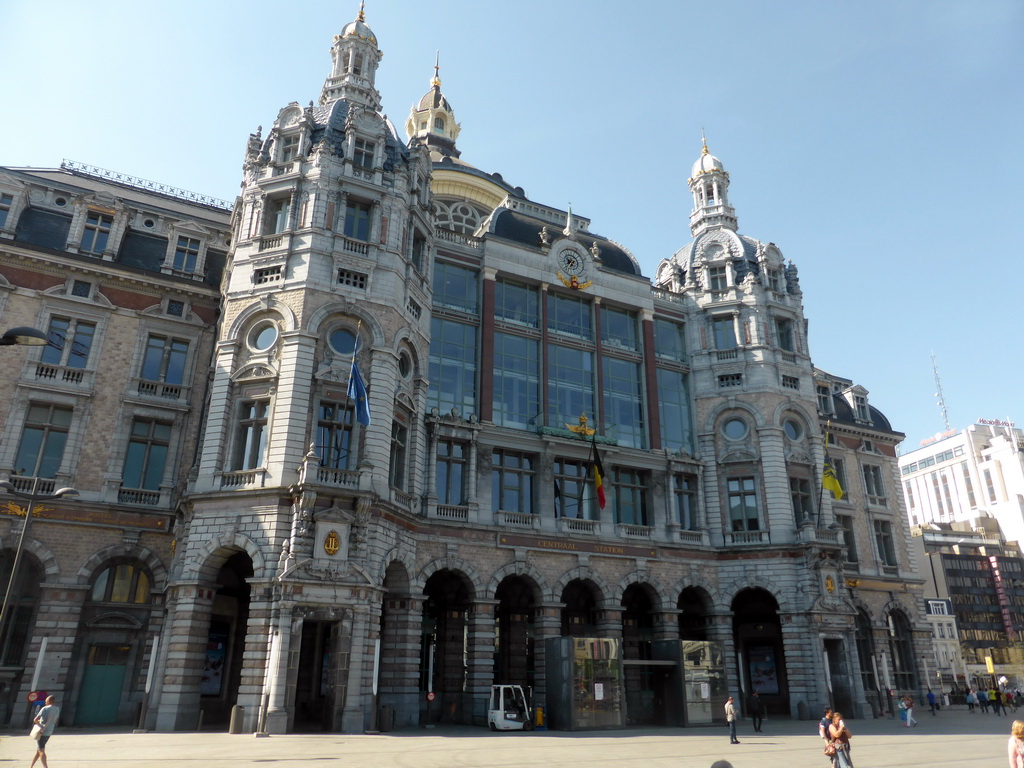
(598, 470)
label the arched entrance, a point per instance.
(641, 680)
(866, 659)
(19, 624)
(757, 634)
(400, 620)
(901, 646)
(693, 619)
(113, 643)
(225, 641)
(514, 651)
(579, 614)
(444, 645)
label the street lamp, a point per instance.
(32, 497)
(29, 337)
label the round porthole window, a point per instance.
(404, 365)
(342, 341)
(149, 223)
(734, 429)
(793, 429)
(263, 336)
(60, 202)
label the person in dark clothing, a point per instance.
(755, 708)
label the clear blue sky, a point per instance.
(877, 143)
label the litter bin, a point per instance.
(386, 718)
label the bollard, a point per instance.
(237, 716)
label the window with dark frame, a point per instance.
(96, 232)
(43, 439)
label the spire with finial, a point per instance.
(709, 183)
(568, 222)
(432, 121)
(362, 11)
(355, 56)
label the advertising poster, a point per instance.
(763, 670)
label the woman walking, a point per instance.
(840, 735)
(1015, 746)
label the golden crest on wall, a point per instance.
(830, 584)
(332, 542)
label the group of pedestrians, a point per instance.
(1000, 702)
(755, 708)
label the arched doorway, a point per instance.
(19, 624)
(637, 639)
(225, 641)
(113, 643)
(579, 614)
(693, 619)
(901, 646)
(757, 634)
(866, 659)
(444, 645)
(514, 651)
(400, 620)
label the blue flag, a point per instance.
(357, 392)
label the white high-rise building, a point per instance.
(962, 475)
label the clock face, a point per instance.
(571, 263)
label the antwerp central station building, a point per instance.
(256, 529)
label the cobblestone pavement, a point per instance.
(952, 738)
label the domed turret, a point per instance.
(355, 57)
(432, 121)
(709, 183)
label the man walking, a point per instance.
(730, 718)
(47, 718)
(931, 701)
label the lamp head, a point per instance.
(69, 492)
(31, 337)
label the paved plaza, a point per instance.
(953, 738)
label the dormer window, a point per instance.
(824, 398)
(774, 279)
(717, 279)
(362, 156)
(96, 232)
(860, 404)
(289, 148)
(186, 255)
(439, 124)
(6, 203)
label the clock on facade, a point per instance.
(572, 266)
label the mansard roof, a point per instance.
(517, 226)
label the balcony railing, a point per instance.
(691, 537)
(138, 496)
(727, 354)
(244, 478)
(458, 238)
(516, 519)
(404, 499)
(452, 512)
(161, 390)
(358, 247)
(24, 484)
(575, 525)
(339, 478)
(747, 537)
(63, 374)
(635, 531)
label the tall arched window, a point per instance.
(865, 652)
(902, 644)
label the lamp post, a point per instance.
(29, 337)
(32, 497)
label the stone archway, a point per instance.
(757, 634)
(514, 661)
(444, 644)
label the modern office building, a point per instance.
(432, 435)
(977, 578)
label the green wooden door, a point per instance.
(100, 697)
